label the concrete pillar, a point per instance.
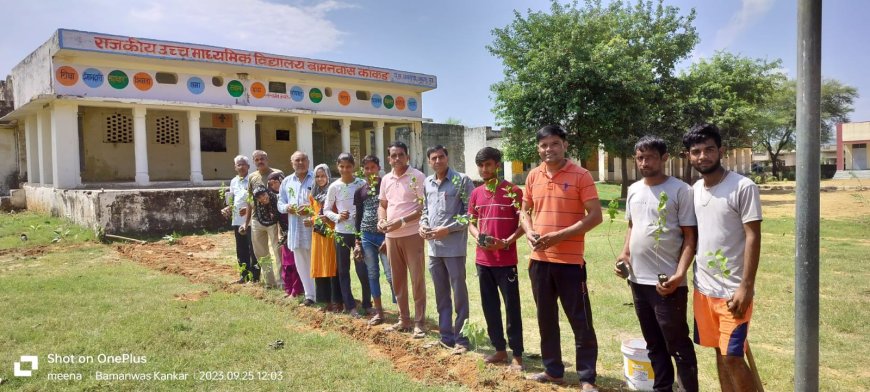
(345, 134)
(617, 170)
(379, 141)
(31, 138)
(305, 135)
(738, 160)
(416, 147)
(747, 160)
(602, 162)
(247, 126)
(140, 145)
(195, 151)
(43, 141)
(508, 167)
(65, 144)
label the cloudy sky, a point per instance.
(446, 38)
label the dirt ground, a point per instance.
(198, 259)
(833, 205)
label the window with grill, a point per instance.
(168, 131)
(119, 129)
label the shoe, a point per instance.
(588, 387)
(545, 378)
(418, 333)
(307, 302)
(398, 327)
(459, 350)
(240, 281)
(353, 313)
(437, 344)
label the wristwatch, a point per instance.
(403, 222)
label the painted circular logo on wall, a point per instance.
(67, 76)
(143, 81)
(412, 104)
(92, 77)
(315, 95)
(297, 93)
(344, 98)
(195, 85)
(118, 79)
(235, 88)
(388, 101)
(377, 101)
(258, 90)
(400, 103)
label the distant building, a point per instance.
(852, 140)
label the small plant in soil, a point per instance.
(172, 239)
(475, 333)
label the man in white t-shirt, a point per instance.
(659, 249)
(728, 210)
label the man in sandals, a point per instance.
(559, 206)
(728, 209)
(401, 197)
(370, 245)
(495, 225)
(447, 193)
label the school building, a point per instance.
(107, 112)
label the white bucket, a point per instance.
(637, 368)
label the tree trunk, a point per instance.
(774, 163)
(625, 181)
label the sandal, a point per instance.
(545, 378)
(459, 350)
(588, 387)
(418, 333)
(398, 327)
(377, 320)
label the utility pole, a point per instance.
(809, 74)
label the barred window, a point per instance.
(168, 131)
(119, 129)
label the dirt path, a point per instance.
(196, 259)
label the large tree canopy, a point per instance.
(730, 91)
(606, 73)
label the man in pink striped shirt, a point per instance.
(401, 199)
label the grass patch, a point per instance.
(82, 301)
(39, 230)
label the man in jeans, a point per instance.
(401, 202)
(263, 237)
(661, 304)
(447, 194)
(371, 243)
(565, 203)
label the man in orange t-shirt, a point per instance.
(563, 203)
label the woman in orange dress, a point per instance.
(323, 267)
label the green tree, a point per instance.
(729, 90)
(775, 131)
(605, 73)
(453, 121)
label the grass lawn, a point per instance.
(78, 297)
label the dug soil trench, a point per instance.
(198, 259)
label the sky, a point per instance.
(447, 38)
